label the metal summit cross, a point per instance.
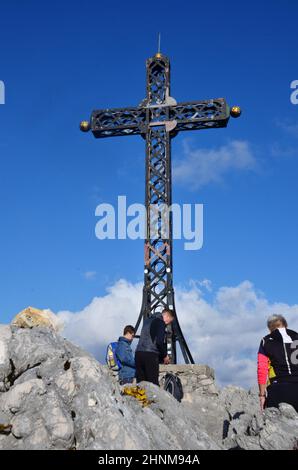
(158, 119)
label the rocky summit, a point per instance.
(54, 395)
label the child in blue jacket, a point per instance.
(125, 356)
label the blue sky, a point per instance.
(60, 61)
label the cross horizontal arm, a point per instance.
(192, 115)
(200, 114)
(118, 121)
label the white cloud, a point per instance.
(104, 318)
(199, 167)
(287, 150)
(281, 151)
(89, 275)
(289, 127)
(224, 333)
(205, 283)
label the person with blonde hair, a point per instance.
(278, 365)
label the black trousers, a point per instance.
(147, 367)
(282, 393)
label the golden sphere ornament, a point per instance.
(235, 111)
(85, 126)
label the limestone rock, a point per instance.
(194, 378)
(31, 317)
(54, 395)
(59, 397)
(5, 337)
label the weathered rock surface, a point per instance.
(53, 395)
(56, 396)
(194, 378)
(31, 317)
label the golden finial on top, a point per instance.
(158, 55)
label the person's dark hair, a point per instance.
(169, 312)
(129, 329)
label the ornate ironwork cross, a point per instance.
(158, 118)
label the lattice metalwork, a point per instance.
(158, 119)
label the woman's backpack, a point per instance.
(173, 385)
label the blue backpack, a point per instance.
(111, 358)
